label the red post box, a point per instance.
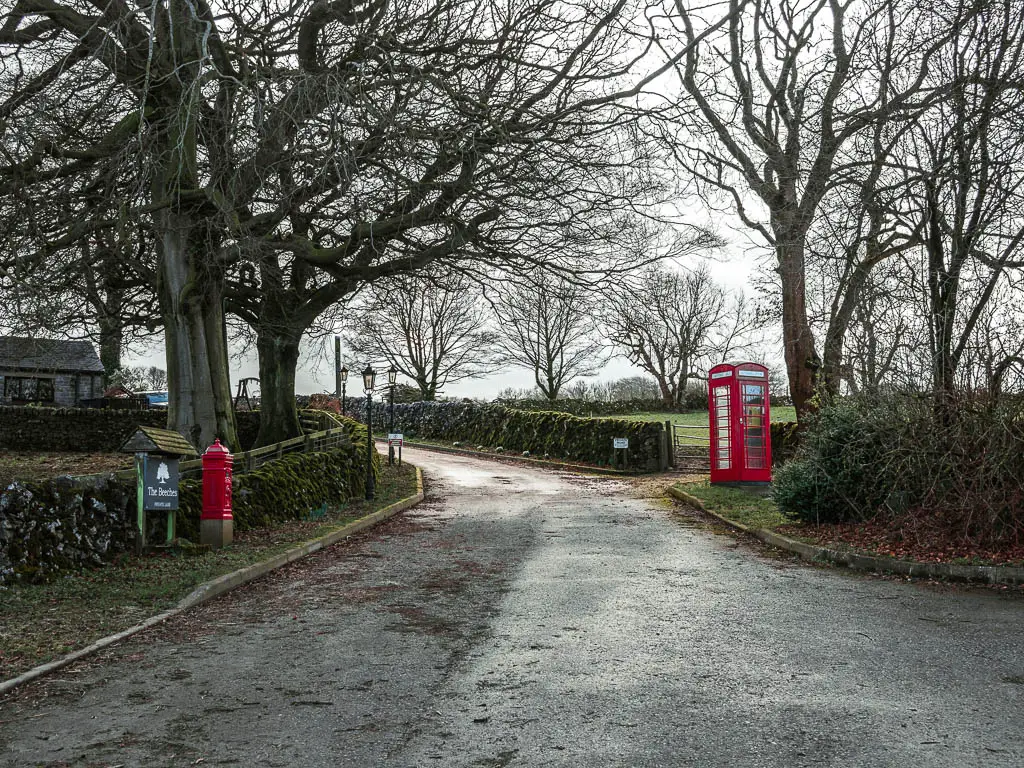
(739, 419)
(216, 526)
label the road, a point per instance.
(528, 618)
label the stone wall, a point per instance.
(67, 523)
(89, 430)
(559, 435)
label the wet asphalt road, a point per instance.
(527, 618)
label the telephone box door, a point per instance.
(739, 419)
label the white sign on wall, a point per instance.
(620, 442)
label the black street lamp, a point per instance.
(368, 376)
(392, 377)
(343, 374)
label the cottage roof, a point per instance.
(52, 355)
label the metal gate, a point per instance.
(692, 447)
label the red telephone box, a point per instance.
(739, 419)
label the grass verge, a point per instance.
(41, 622)
(871, 538)
(737, 505)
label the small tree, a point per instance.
(673, 324)
(432, 329)
(545, 326)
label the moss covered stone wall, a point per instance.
(49, 527)
(88, 430)
(560, 435)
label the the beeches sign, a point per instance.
(160, 483)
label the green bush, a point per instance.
(785, 438)
(919, 466)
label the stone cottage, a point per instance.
(50, 372)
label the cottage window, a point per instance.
(28, 389)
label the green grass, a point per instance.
(737, 505)
(699, 418)
(40, 622)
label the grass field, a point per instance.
(700, 418)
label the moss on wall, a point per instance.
(49, 527)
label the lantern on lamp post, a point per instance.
(368, 376)
(392, 377)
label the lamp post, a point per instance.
(368, 376)
(343, 375)
(392, 376)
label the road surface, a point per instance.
(522, 617)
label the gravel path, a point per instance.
(529, 618)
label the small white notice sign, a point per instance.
(620, 442)
(395, 438)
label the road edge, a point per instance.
(222, 584)
(991, 574)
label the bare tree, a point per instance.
(433, 330)
(770, 104)
(965, 181)
(674, 325)
(945, 192)
(286, 152)
(545, 325)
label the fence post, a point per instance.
(671, 444)
(663, 450)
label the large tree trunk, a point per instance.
(191, 282)
(802, 361)
(428, 389)
(668, 395)
(278, 348)
(111, 343)
(199, 390)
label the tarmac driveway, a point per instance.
(529, 618)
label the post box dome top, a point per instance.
(216, 448)
(164, 442)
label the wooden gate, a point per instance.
(692, 447)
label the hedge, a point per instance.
(785, 437)
(922, 467)
(49, 527)
(559, 434)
